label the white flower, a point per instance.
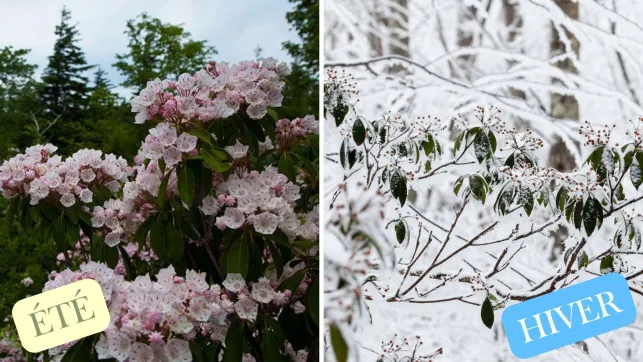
(262, 291)
(246, 308)
(247, 357)
(86, 196)
(238, 151)
(298, 307)
(210, 205)
(118, 346)
(87, 175)
(172, 156)
(178, 350)
(68, 200)
(200, 309)
(112, 239)
(265, 223)
(27, 281)
(234, 282)
(141, 353)
(186, 142)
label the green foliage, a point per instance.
(65, 90)
(159, 50)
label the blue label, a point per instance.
(569, 315)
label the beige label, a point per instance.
(61, 315)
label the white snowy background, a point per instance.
(428, 75)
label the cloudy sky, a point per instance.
(234, 27)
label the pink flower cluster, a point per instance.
(262, 199)
(40, 175)
(119, 219)
(163, 142)
(153, 319)
(288, 132)
(215, 92)
(11, 352)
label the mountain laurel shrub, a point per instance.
(206, 247)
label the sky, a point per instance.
(234, 27)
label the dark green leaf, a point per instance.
(202, 134)
(398, 186)
(583, 260)
(174, 243)
(359, 132)
(80, 351)
(607, 265)
(561, 197)
(312, 300)
(238, 257)
(578, 214)
(590, 215)
(186, 185)
(110, 254)
(486, 313)
(286, 166)
(197, 355)
(340, 347)
(157, 238)
(481, 146)
(234, 342)
(400, 231)
(492, 141)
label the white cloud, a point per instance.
(235, 28)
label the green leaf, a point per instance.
(578, 214)
(312, 300)
(510, 161)
(458, 185)
(561, 197)
(636, 171)
(129, 268)
(359, 132)
(478, 187)
(174, 242)
(234, 341)
(458, 141)
(583, 260)
(11, 214)
(590, 215)
(286, 166)
(197, 355)
(276, 258)
(486, 313)
(60, 233)
(238, 257)
(398, 186)
(186, 185)
(202, 134)
(340, 347)
(80, 351)
(110, 254)
(568, 253)
(157, 238)
(270, 347)
(607, 265)
(526, 200)
(211, 351)
(492, 141)
(339, 112)
(213, 159)
(273, 114)
(400, 231)
(293, 282)
(162, 193)
(481, 146)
